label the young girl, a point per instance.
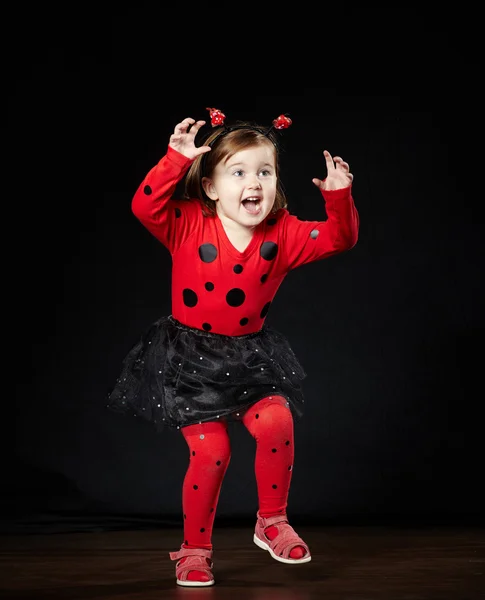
(232, 242)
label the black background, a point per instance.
(390, 333)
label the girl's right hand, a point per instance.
(183, 138)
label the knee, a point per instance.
(209, 442)
(269, 416)
(274, 415)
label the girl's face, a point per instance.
(244, 185)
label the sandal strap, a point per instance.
(267, 521)
(190, 552)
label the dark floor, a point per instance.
(348, 563)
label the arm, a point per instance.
(169, 221)
(307, 241)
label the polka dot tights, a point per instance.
(270, 423)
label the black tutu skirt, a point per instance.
(176, 375)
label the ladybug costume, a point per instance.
(215, 355)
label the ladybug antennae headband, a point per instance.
(218, 117)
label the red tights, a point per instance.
(270, 422)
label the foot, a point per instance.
(194, 567)
(298, 552)
(276, 535)
(197, 575)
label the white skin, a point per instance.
(249, 173)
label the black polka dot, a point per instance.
(314, 234)
(196, 487)
(218, 462)
(207, 253)
(244, 321)
(271, 221)
(185, 516)
(268, 250)
(178, 213)
(202, 530)
(235, 297)
(287, 442)
(238, 269)
(186, 542)
(274, 450)
(274, 486)
(264, 312)
(206, 326)
(212, 510)
(190, 297)
(264, 277)
(147, 190)
(257, 417)
(193, 452)
(209, 286)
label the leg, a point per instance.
(210, 454)
(270, 422)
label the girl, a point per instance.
(232, 242)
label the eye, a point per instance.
(238, 173)
(265, 172)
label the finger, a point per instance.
(196, 126)
(184, 125)
(341, 164)
(203, 149)
(180, 128)
(317, 182)
(328, 160)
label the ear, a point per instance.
(209, 188)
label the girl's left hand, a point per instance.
(338, 174)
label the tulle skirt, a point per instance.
(176, 375)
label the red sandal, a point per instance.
(281, 546)
(197, 559)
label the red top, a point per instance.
(215, 287)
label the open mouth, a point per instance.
(252, 205)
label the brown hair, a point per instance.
(225, 143)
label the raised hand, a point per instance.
(183, 138)
(338, 174)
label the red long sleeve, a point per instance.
(215, 287)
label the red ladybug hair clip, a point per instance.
(217, 116)
(282, 122)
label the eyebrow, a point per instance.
(242, 164)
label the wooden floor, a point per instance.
(348, 563)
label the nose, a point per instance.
(254, 184)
